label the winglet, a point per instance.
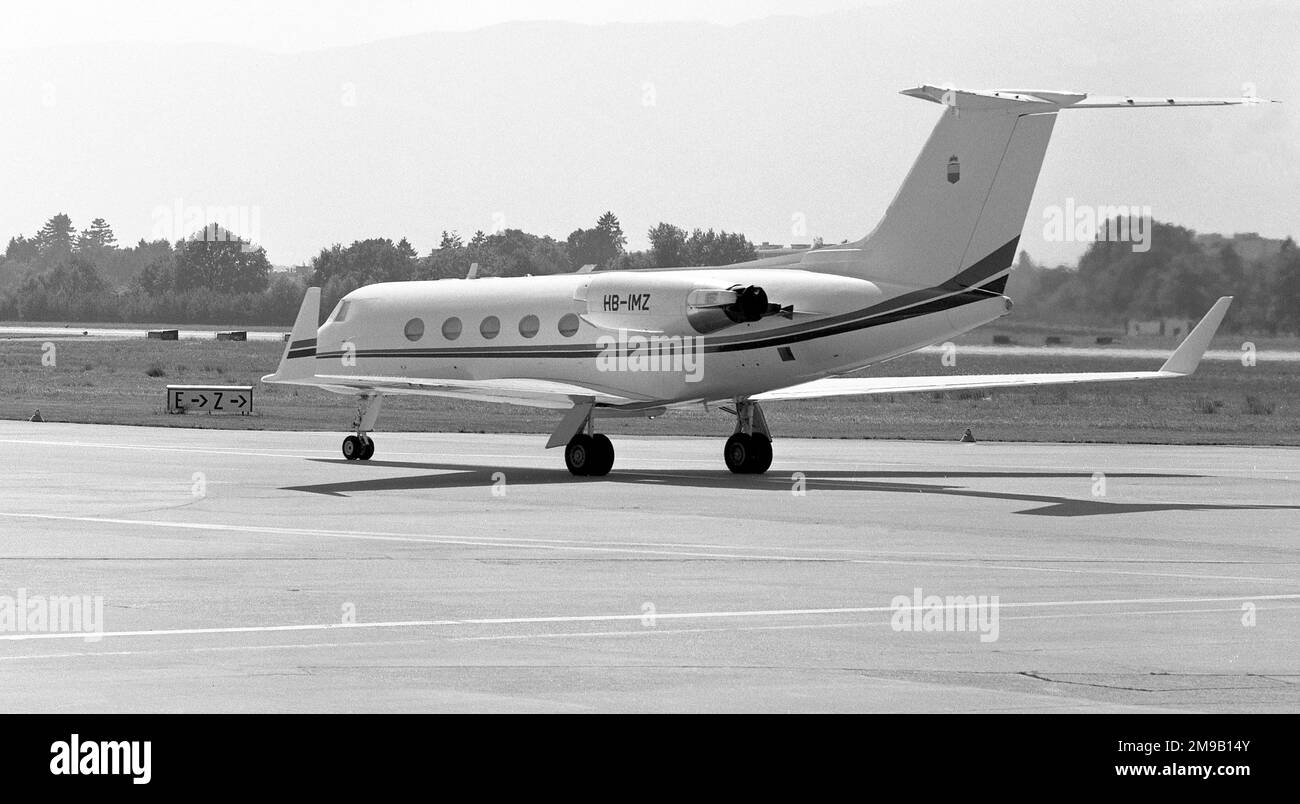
(1188, 355)
(299, 359)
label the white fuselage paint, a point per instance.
(736, 361)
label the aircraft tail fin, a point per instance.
(957, 217)
(299, 359)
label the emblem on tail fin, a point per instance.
(954, 170)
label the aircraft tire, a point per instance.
(760, 457)
(604, 455)
(353, 448)
(579, 455)
(737, 453)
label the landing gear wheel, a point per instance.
(580, 455)
(760, 455)
(737, 453)
(748, 454)
(353, 449)
(369, 451)
(603, 456)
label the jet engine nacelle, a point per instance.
(711, 310)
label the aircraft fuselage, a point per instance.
(636, 334)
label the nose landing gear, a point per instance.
(358, 448)
(361, 447)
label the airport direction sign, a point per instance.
(210, 398)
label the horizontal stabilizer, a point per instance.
(1040, 100)
(1182, 363)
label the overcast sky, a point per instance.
(327, 122)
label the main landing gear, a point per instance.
(586, 453)
(590, 455)
(749, 450)
(361, 447)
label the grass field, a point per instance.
(109, 381)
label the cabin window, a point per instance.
(414, 329)
(490, 328)
(451, 328)
(569, 325)
(528, 326)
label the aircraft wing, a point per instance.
(1181, 363)
(528, 392)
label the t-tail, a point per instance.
(957, 218)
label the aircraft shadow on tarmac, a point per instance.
(454, 476)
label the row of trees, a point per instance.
(58, 238)
(58, 244)
(1181, 274)
(212, 276)
(512, 252)
(215, 277)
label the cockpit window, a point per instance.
(340, 312)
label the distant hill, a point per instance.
(785, 129)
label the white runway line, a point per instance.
(691, 551)
(220, 649)
(683, 550)
(592, 618)
(813, 626)
(644, 631)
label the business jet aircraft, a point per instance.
(642, 342)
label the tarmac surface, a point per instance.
(259, 571)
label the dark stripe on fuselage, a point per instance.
(998, 286)
(960, 290)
